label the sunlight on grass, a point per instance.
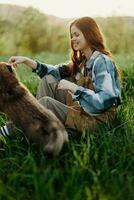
(93, 166)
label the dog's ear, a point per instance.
(6, 67)
(10, 68)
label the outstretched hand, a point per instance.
(14, 60)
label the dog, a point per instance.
(38, 123)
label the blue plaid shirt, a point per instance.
(107, 91)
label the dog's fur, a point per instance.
(38, 123)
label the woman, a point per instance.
(90, 79)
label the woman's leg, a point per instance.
(48, 87)
(59, 109)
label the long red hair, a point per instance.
(93, 37)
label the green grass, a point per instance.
(93, 166)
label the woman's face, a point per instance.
(77, 39)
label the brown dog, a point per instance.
(38, 123)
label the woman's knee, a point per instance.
(46, 101)
(49, 79)
(47, 87)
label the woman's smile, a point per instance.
(77, 39)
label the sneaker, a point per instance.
(8, 129)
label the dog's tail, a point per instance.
(56, 142)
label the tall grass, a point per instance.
(93, 166)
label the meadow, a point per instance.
(93, 166)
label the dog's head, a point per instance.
(7, 73)
(10, 87)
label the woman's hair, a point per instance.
(93, 37)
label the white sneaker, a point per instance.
(8, 129)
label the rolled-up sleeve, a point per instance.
(95, 102)
(58, 71)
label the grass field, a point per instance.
(93, 166)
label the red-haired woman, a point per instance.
(86, 91)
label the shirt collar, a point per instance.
(92, 58)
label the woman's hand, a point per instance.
(67, 85)
(15, 60)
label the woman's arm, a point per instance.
(106, 93)
(15, 60)
(60, 71)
